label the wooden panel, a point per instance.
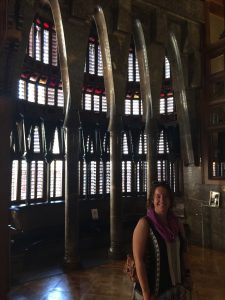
(3, 19)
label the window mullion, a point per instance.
(19, 175)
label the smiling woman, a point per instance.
(159, 250)
(162, 202)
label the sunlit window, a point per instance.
(91, 58)
(23, 191)
(142, 146)
(133, 104)
(141, 176)
(166, 103)
(104, 103)
(46, 46)
(31, 42)
(137, 70)
(38, 43)
(60, 97)
(84, 173)
(93, 177)
(38, 168)
(94, 100)
(161, 170)
(107, 177)
(167, 169)
(43, 42)
(167, 68)
(127, 106)
(101, 177)
(131, 67)
(96, 103)
(36, 140)
(56, 178)
(40, 90)
(37, 178)
(126, 176)
(100, 63)
(51, 96)
(14, 180)
(55, 148)
(22, 89)
(41, 94)
(162, 143)
(19, 180)
(54, 49)
(31, 92)
(125, 144)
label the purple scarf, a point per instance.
(169, 232)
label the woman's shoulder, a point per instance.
(143, 224)
(141, 230)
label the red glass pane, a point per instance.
(98, 91)
(46, 25)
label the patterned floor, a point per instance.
(105, 280)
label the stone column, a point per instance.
(115, 126)
(5, 179)
(151, 128)
(72, 35)
(72, 258)
(113, 37)
(115, 250)
(157, 56)
(151, 132)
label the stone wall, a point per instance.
(206, 223)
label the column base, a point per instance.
(116, 254)
(70, 265)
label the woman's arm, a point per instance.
(140, 238)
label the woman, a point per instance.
(159, 250)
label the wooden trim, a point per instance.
(216, 9)
(3, 19)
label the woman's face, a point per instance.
(161, 200)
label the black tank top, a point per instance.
(157, 265)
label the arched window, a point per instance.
(168, 153)
(40, 81)
(36, 164)
(141, 164)
(133, 101)
(133, 68)
(40, 89)
(94, 166)
(94, 99)
(19, 163)
(38, 168)
(127, 169)
(133, 161)
(43, 42)
(133, 104)
(57, 165)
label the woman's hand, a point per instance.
(150, 298)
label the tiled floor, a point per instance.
(101, 279)
(208, 272)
